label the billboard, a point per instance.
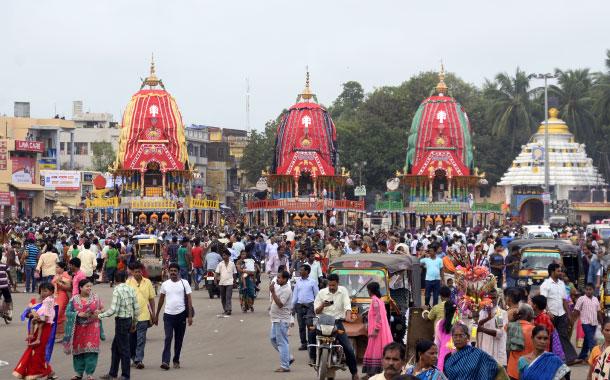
(5, 199)
(24, 170)
(61, 180)
(29, 146)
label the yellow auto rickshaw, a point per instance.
(399, 280)
(148, 249)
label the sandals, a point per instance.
(282, 369)
(76, 377)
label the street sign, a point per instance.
(360, 191)
(546, 198)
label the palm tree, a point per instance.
(511, 105)
(601, 89)
(574, 93)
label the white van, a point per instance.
(537, 232)
(377, 223)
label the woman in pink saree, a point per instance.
(442, 334)
(379, 333)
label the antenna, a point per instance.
(248, 105)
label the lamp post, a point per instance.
(546, 77)
(360, 165)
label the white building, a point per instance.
(569, 169)
(197, 140)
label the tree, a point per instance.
(103, 156)
(510, 112)
(258, 153)
(348, 101)
(574, 93)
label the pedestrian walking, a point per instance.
(83, 332)
(77, 275)
(178, 312)
(32, 252)
(46, 265)
(434, 275)
(225, 278)
(305, 292)
(555, 292)
(281, 296)
(88, 261)
(183, 260)
(588, 309)
(125, 306)
(379, 333)
(146, 301)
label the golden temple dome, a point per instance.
(556, 125)
(306, 95)
(152, 79)
(441, 87)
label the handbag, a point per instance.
(186, 304)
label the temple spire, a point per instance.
(441, 87)
(152, 79)
(306, 95)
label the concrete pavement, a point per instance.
(230, 348)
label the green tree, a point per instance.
(574, 93)
(510, 112)
(258, 153)
(103, 156)
(348, 101)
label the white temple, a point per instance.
(569, 168)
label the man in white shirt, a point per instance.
(88, 260)
(271, 249)
(557, 309)
(334, 301)
(177, 314)
(316, 269)
(225, 276)
(289, 235)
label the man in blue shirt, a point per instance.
(31, 261)
(259, 248)
(434, 275)
(303, 295)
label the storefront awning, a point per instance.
(28, 186)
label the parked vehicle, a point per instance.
(329, 353)
(536, 257)
(148, 249)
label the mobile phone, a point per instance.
(331, 302)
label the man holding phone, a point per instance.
(334, 301)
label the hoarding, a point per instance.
(24, 170)
(29, 146)
(61, 180)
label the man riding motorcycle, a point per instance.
(334, 301)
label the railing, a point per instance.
(438, 207)
(313, 206)
(203, 203)
(153, 204)
(102, 203)
(389, 206)
(486, 207)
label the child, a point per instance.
(453, 291)
(44, 314)
(590, 313)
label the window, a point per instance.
(189, 149)
(87, 177)
(195, 151)
(221, 153)
(62, 148)
(81, 148)
(203, 151)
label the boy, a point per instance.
(452, 288)
(590, 313)
(438, 311)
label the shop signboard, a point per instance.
(3, 155)
(29, 146)
(24, 170)
(5, 199)
(360, 191)
(61, 180)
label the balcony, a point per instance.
(318, 206)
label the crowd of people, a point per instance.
(521, 335)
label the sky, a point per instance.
(55, 52)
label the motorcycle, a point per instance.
(329, 353)
(210, 285)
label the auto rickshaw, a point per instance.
(399, 280)
(148, 249)
(536, 257)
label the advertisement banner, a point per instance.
(24, 170)
(5, 199)
(61, 180)
(29, 146)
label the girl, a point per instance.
(379, 333)
(442, 337)
(44, 314)
(34, 362)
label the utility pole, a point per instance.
(248, 105)
(546, 203)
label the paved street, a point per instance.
(230, 348)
